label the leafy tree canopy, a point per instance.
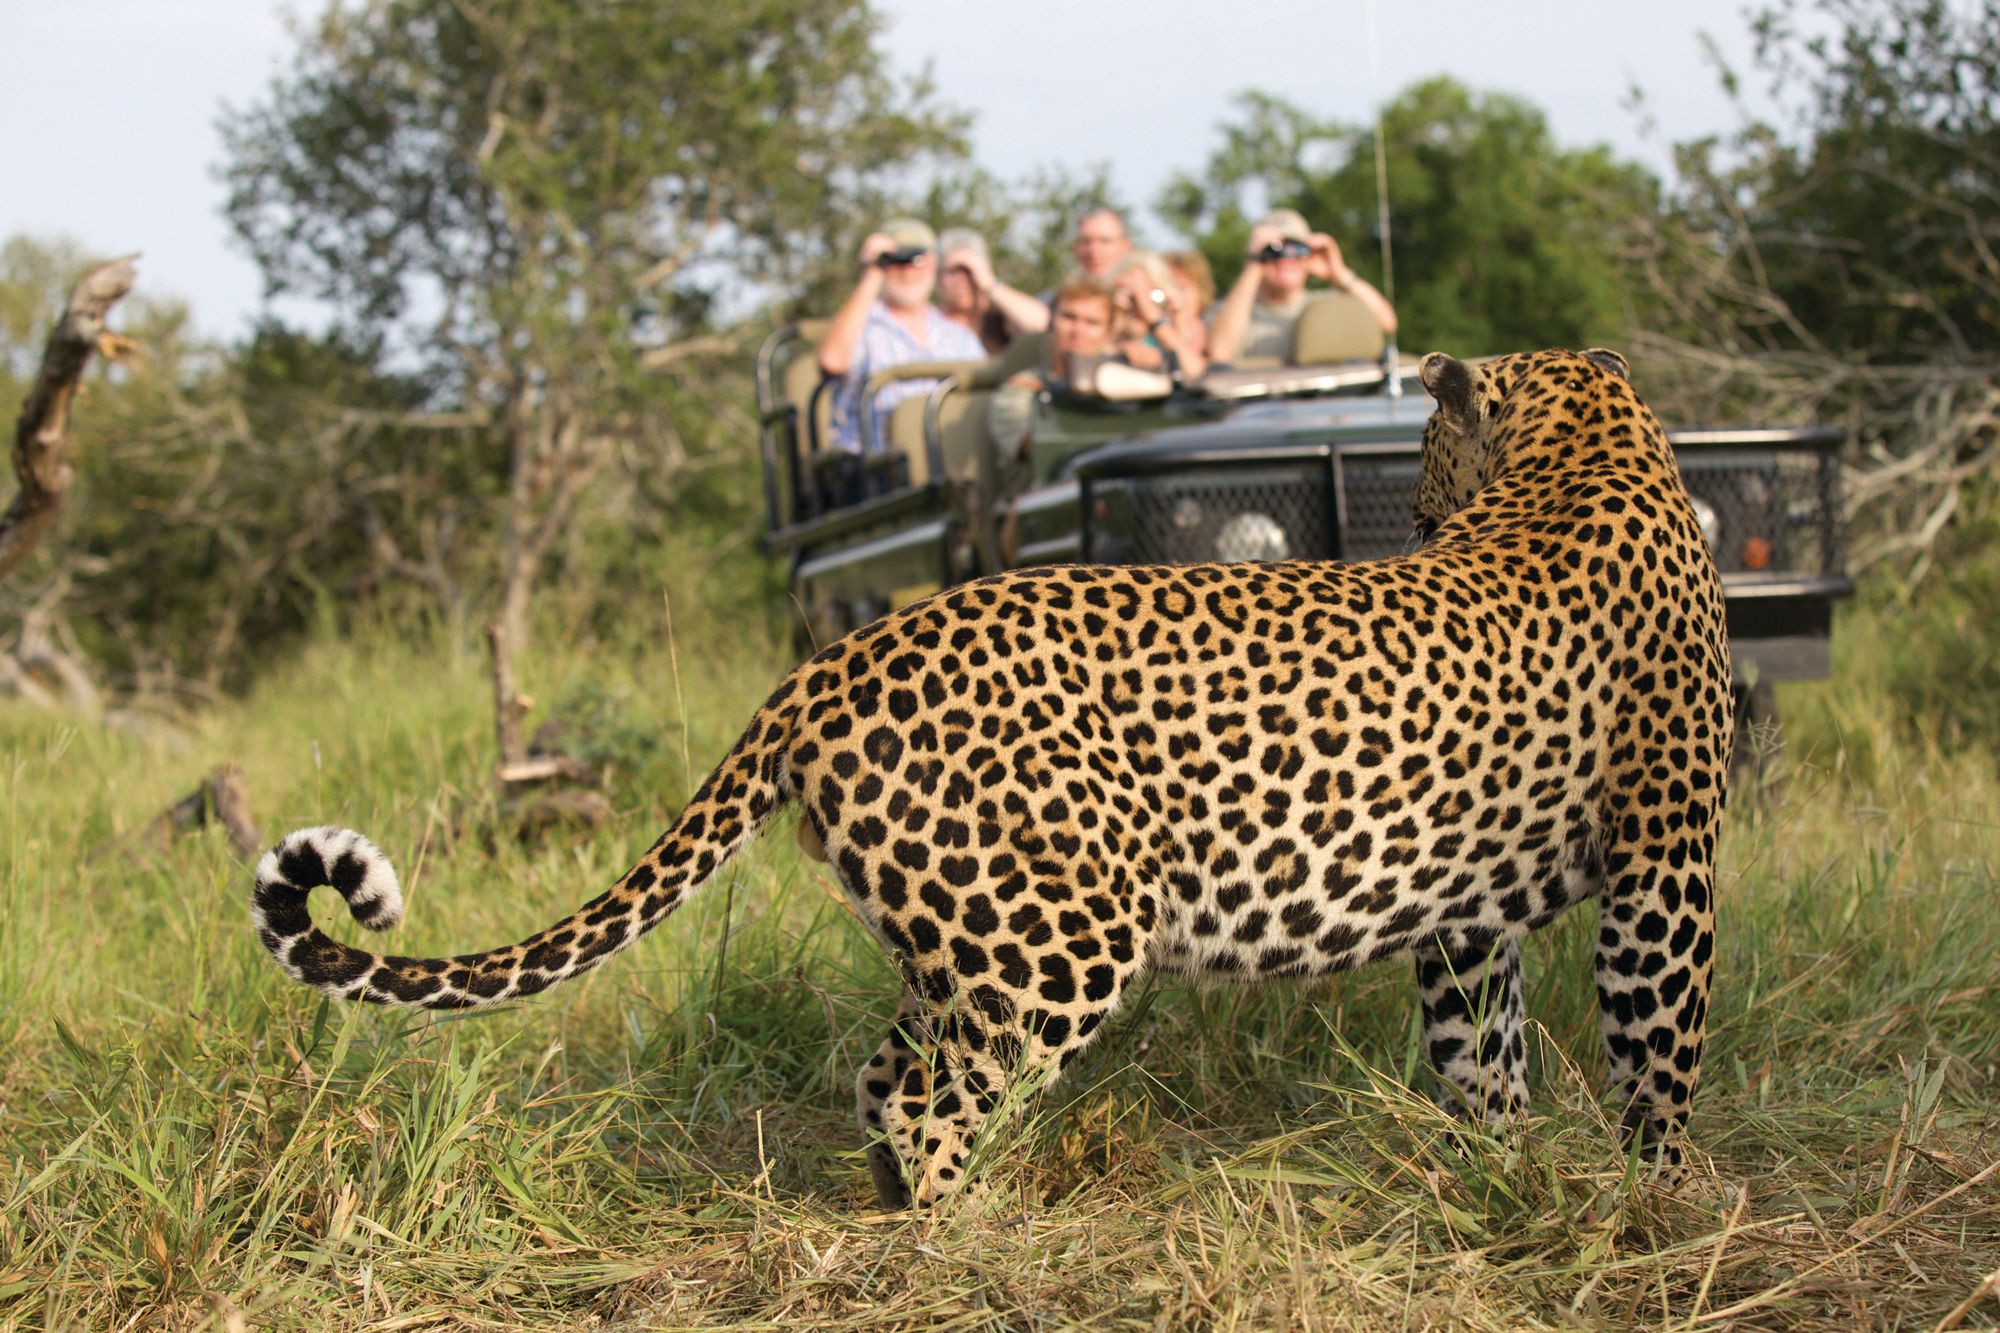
(576, 180)
(1870, 208)
(1500, 239)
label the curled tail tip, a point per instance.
(341, 858)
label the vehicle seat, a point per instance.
(903, 452)
(1336, 327)
(906, 437)
(1029, 352)
(961, 431)
(787, 376)
(798, 380)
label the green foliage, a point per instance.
(1501, 240)
(226, 502)
(1934, 652)
(539, 202)
(578, 177)
(1870, 209)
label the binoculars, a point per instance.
(1282, 250)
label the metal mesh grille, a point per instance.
(1375, 506)
(1261, 513)
(1766, 511)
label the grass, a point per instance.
(189, 1141)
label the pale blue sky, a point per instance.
(108, 107)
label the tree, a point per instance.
(1501, 240)
(1836, 261)
(1863, 220)
(543, 200)
(224, 498)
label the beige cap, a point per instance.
(1291, 224)
(910, 234)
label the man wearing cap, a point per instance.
(887, 321)
(1256, 318)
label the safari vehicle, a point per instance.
(1313, 459)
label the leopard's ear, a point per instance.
(1610, 360)
(1447, 380)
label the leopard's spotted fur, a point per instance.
(1040, 784)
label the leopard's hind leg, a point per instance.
(1472, 1027)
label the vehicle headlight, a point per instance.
(1252, 536)
(1708, 521)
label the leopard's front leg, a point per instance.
(1655, 954)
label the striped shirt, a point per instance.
(885, 343)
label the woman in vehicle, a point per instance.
(971, 296)
(1156, 330)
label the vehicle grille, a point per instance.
(1771, 510)
(1768, 510)
(1375, 505)
(1775, 511)
(1270, 512)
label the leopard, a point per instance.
(1039, 786)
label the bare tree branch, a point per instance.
(41, 435)
(222, 798)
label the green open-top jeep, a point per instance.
(1311, 460)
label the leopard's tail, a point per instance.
(738, 797)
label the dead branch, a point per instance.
(37, 660)
(510, 706)
(688, 349)
(41, 434)
(222, 798)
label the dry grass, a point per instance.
(192, 1142)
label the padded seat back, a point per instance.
(1335, 327)
(905, 431)
(961, 425)
(798, 379)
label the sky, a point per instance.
(108, 107)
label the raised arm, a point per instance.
(1023, 312)
(1326, 263)
(1134, 294)
(1232, 313)
(843, 332)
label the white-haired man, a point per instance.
(888, 320)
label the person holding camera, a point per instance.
(1156, 329)
(888, 320)
(1256, 318)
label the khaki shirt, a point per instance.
(1269, 334)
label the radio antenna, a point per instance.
(1381, 163)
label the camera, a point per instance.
(901, 255)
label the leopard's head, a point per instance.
(1461, 439)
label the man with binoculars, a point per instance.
(888, 320)
(1255, 320)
